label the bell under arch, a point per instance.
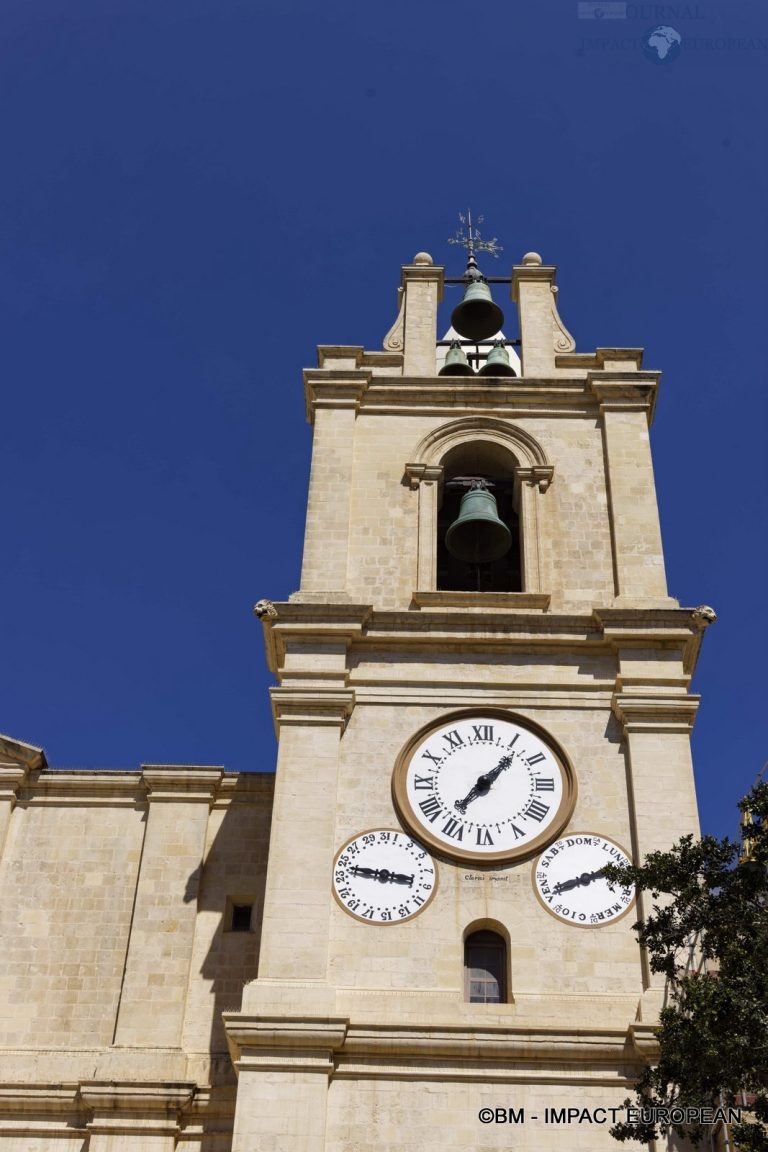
(489, 467)
(474, 443)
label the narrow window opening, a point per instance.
(240, 920)
(485, 965)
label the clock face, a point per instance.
(484, 786)
(569, 883)
(384, 877)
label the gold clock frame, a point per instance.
(525, 852)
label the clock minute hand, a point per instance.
(483, 784)
(577, 882)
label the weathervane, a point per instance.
(472, 239)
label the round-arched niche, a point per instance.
(493, 463)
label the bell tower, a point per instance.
(482, 697)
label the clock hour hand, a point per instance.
(383, 875)
(482, 785)
(577, 882)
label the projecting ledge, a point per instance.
(510, 601)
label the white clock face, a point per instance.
(483, 787)
(568, 880)
(384, 877)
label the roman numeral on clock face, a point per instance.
(454, 829)
(453, 739)
(483, 731)
(428, 782)
(542, 784)
(431, 808)
(537, 759)
(536, 810)
(483, 837)
(435, 759)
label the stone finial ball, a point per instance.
(532, 258)
(423, 258)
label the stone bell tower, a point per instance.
(464, 741)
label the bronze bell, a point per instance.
(477, 317)
(497, 363)
(456, 363)
(477, 535)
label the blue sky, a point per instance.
(195, 195)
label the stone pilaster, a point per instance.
(12, 776)
(426, 479)
(626, 400)
(284, 1066)
(152, 1001)
(295, 927)
(17, 760)
(333, 400)
(657, 726)
(423, 284)
(542, 333)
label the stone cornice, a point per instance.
(86, 787)
(509, 398)
(25, 755)
(155, 1109)
(665, 712)
(484, 601)
(334, 388)
(538, 476)
(632, 357)
(327, 617)
(317, 706)
(417, 474)
(540, 272)
(12, 776)
(253, 788)
(41, 1112)
(627, 628)
(39, 1100)
(488, 1046)
(186, 783)
(340, 356)
(625, 391)
(338, 1048)
(433, 272)
(644, 1039)
(266, 1043)
(505, 623)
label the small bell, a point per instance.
(497, 363)
(456, 363)
(477, 535)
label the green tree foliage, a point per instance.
(710, 938)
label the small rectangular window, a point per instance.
(240, 920)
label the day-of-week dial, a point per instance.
(569, 880)
(383, 877)
(484, 787)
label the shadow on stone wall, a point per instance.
(223, 959)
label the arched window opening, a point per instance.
(463, 465)
(485, 968)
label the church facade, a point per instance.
(403, 939)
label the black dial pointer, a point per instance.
(482, 785)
